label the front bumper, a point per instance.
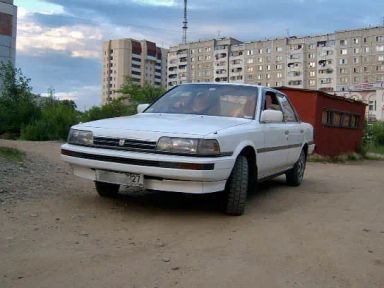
(161, 172)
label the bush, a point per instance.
(56, 119)
(377, 132)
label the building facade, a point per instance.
(374, 98)
(331, 62)
(8, 28)
(140, 61)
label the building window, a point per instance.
(268, 67)
(343, 51)
(312, 73)
(279, 49)
(279, 75)
(260, 51)
(279, 66)
(312, 83)
(311, 55)
(339, 119)
(356, 50)
(268, 50)
(372, 105)
(250, 60)
(356, 60)
(355, 40)
(380, 39)
(344, 80)
(325, 80)
(366, 49)
(279, 58)
(260, 60)
(380, 58)
(343, 61)
(260, 68)
(343, 42)
(250, 69)
(312, 64)
(380, 48)
(249, 52)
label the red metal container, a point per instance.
(338, 122)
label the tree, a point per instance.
(17, 103)
(137, 94)
(55, 120)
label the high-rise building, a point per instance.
(333, 62)
(8, 27)
(140, 61)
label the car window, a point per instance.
(271, 102)
(208, 99)
(288, 112)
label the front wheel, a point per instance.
(237, 187)
(106, 189)
(295, 175)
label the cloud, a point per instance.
(156, 2)
(77, 41)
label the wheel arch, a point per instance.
(250, 152)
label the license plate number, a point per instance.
(130, 179)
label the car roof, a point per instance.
(231, 84)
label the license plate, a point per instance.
(130, 179)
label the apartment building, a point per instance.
(331, 62)
(140, 61)
(201, 61)
(8, 27)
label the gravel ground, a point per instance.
(56, 232)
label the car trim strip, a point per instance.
(222, 154)
(130, 161)
(270, 149)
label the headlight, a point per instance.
(80, 137)
(188, 146)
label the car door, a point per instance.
(293, 132)
(273, 157)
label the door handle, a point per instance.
(286, 132)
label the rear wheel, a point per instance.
(106, 189)
(295, 175)
(237, 187)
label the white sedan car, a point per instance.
(196, 138)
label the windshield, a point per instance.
(208, 99)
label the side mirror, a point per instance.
(271, 116)
(142, 107)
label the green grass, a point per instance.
(12, 154)
(375, 149)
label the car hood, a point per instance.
(167, 123)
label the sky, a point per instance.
(59, 41)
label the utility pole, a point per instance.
(185, 23)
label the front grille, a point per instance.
(129, 144)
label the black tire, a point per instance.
(237, 187)
(295, 175)
(106, 189)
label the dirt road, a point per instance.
(56, 232)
